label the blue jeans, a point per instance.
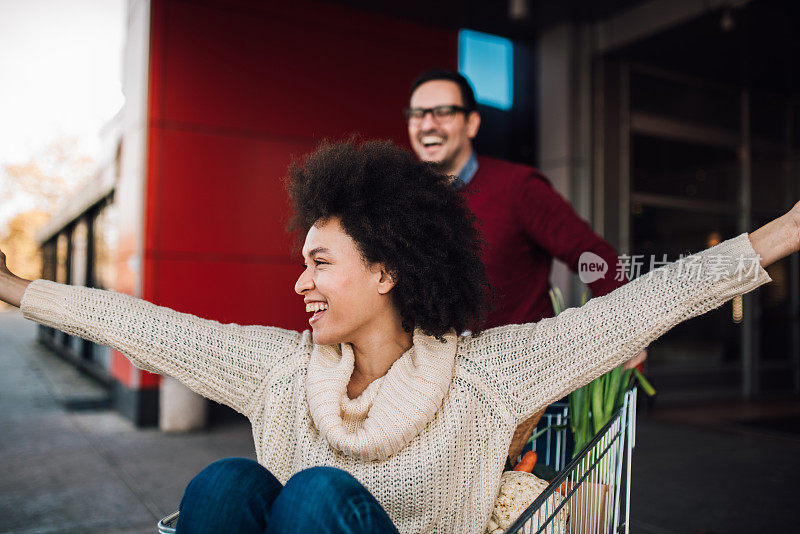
(239, 495)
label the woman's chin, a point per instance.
(320, 337)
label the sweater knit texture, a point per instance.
(429, 438)
(525, 224)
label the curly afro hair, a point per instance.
(403, 214)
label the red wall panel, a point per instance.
(221, 195)
(229, 291)
(236, 89)
(291, 74)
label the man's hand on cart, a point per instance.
(636, 360)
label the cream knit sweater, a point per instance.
(429, 438)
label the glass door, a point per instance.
(701, 171)
(685, 187)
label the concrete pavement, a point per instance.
(67, 470)
(708, 470)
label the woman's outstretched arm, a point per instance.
(224, 362)
(536, 363)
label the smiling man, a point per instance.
(442, 121)
(524, 221)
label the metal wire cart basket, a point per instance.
(592, 493)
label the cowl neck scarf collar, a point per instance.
(393, 409)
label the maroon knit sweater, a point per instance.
(525, 224)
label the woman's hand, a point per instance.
(778, 238)
(12, 287)
(794, 217)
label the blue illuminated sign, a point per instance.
(488, 62)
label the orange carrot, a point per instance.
(527, 462)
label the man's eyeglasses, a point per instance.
(439, 113)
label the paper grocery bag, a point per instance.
(588, 511)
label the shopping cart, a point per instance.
(592, 493)
(576, 501)
(553, 441)
(168, 524)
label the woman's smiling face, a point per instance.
(346, 295)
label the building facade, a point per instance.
(663, 123)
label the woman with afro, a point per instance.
(394, 412)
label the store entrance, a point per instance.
(707, 147)
(686, 186)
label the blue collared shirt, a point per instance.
(466, 173)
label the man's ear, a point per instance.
(473, 124)
(386, 281)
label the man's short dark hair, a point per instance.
(467, 94)
(404, 214)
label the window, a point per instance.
(106, 235)
(62, 251)
(79, 253)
